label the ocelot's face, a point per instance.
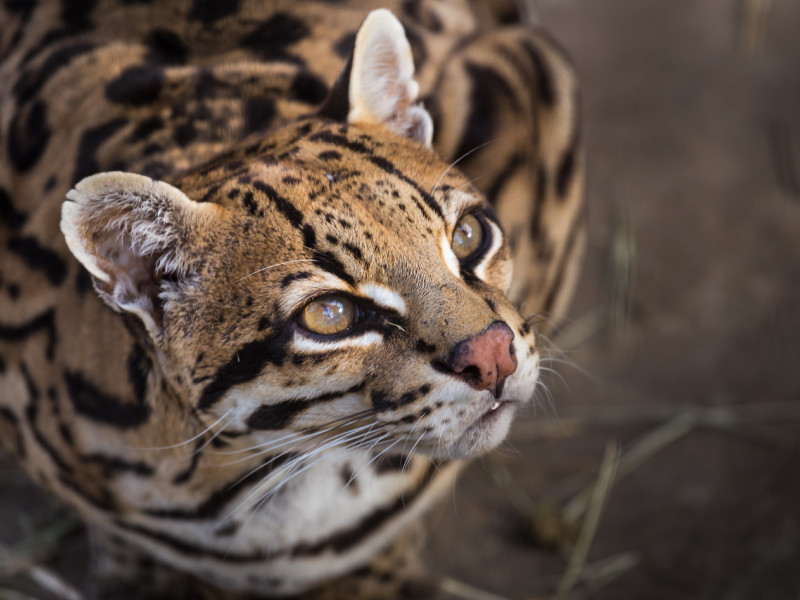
(352, 286)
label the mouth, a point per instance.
(486, 432)
(488, 418)
(500, 411)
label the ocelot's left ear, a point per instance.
(377, 84)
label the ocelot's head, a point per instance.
(332, 276)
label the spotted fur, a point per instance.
(224, 165)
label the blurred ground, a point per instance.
(690, 296)
(688, 314)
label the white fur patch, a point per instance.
(383, 296)
(305, 344)
(449, 257)
(497, 242)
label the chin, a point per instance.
(482, 436)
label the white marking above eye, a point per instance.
(305, 344)
(497, 241)
(383, 296)
(450, 259)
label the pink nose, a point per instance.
(485, 360)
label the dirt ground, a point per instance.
(680, 399)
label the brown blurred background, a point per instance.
(685, 336)
(666, 464)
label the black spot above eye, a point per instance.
(294, 277)
(309, 237)
(329, 155)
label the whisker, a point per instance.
(288, 262)
(458, 160)
(191, 439)
(411, 454)
(267, 448)
(317, 430)
(287, 473)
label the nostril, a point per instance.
(484, 361)
(471, 374)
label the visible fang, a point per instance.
(496, 405)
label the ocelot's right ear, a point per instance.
(377, 83)
(131, 233)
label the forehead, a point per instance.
(316, 166)
(356, 202)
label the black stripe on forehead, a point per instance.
(392, 170)
(284, 206)
(380, 162)
(328, 261)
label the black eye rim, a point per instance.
(483, 218)
(368, 317)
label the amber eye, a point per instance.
(467, 237)
(328, 315)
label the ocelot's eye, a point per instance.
(468, 237)
(328, 315)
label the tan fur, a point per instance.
(178, 407)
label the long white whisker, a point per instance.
(193, 438)
(287, 473)
(267, 448)
(342, 422)
(411, 454)
(288, 262)
(458, 160)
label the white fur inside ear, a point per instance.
(126, 230)
(382, 88)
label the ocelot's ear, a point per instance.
(130, 233)
(377, 84)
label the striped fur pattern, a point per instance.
(226, 165)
